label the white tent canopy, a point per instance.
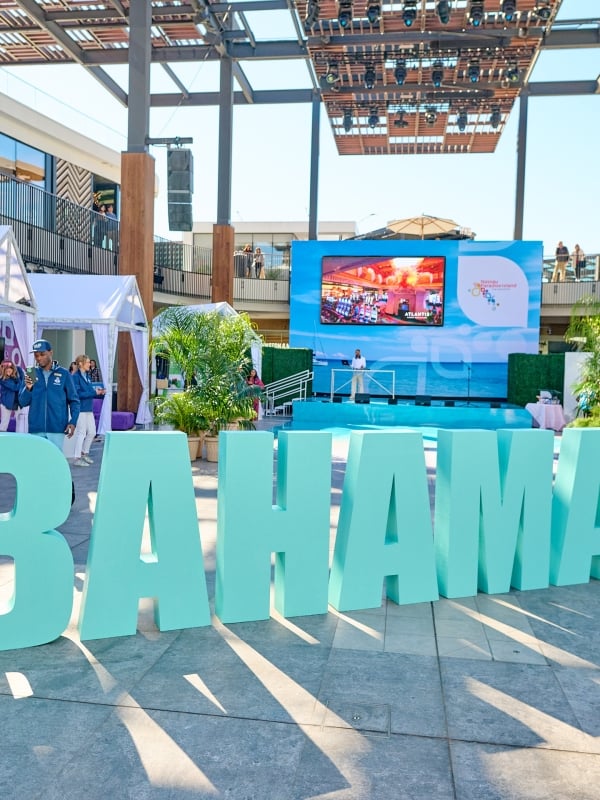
(104, 304)
(17, 301)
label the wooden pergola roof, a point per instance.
(383, 117)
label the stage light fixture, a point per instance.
(332, 75)
(509, 9)
(370, 76)
(542, 10)
(400, 122)
(431, 116)
(373, 13)
(400, 71)
(495, 117)
(474, 71)
(476, 12)
(347, 121)
(461, 121)
(511, 73)
(437, 74)
(345, 13)
(312, 14)
(409, 14)
(443, 9)
(373, 118)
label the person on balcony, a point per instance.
(578, 259)
(112, 226)
(100, 227)
(259, 263)
(248, 260)
(560, 264)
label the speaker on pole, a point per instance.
(180, 186)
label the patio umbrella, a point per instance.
(423, 227)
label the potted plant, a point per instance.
(182, 411)
(213, 354)
(584, 330)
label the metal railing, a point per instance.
(279, 394)
(589, 272)
(374, 381)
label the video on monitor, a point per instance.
(382, 290)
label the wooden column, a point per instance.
(222, 264)
(136, 257)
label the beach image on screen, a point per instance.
(382, 290)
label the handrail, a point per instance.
(293, 387)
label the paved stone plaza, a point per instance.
(486, 698)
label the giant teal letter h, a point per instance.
(250, 528)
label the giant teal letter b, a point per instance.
(40, 606)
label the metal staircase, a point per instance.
(279, 394)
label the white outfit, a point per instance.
(358, 379)
(5, 414)
(85, 431)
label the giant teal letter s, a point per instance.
(40, 606)
(492, 510)
(250, 528)
(144, 470)
(576, 509)
(384, 528)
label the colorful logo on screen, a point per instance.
(480, 290)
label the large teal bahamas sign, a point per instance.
(498, 522)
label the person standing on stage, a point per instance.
(358, 378)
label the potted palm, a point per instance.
(182, 411)
(213, 354)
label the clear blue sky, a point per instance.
(271, 150)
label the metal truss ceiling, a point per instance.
(388, 87)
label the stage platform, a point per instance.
(477, 414)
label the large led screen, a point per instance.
(382, 290)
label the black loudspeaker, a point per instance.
(337, 398)
(495, 404)
(362, 398)
(180, 171)
(2, 344)
(422, 400)
(449, 403)
(180, 185)
(180, 216)
(392, 401)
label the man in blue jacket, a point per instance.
(51, 396)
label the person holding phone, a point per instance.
(50, 393)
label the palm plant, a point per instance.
(584, 329)
(213, 354)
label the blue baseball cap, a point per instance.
(41, 346)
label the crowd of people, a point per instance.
(59, 400)
(562, 259)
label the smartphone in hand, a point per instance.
(30, 372)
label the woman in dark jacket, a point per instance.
(11, 380)
(85, 430)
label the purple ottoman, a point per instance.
(120, 420)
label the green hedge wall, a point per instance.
(528, 374)
(280, 362)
